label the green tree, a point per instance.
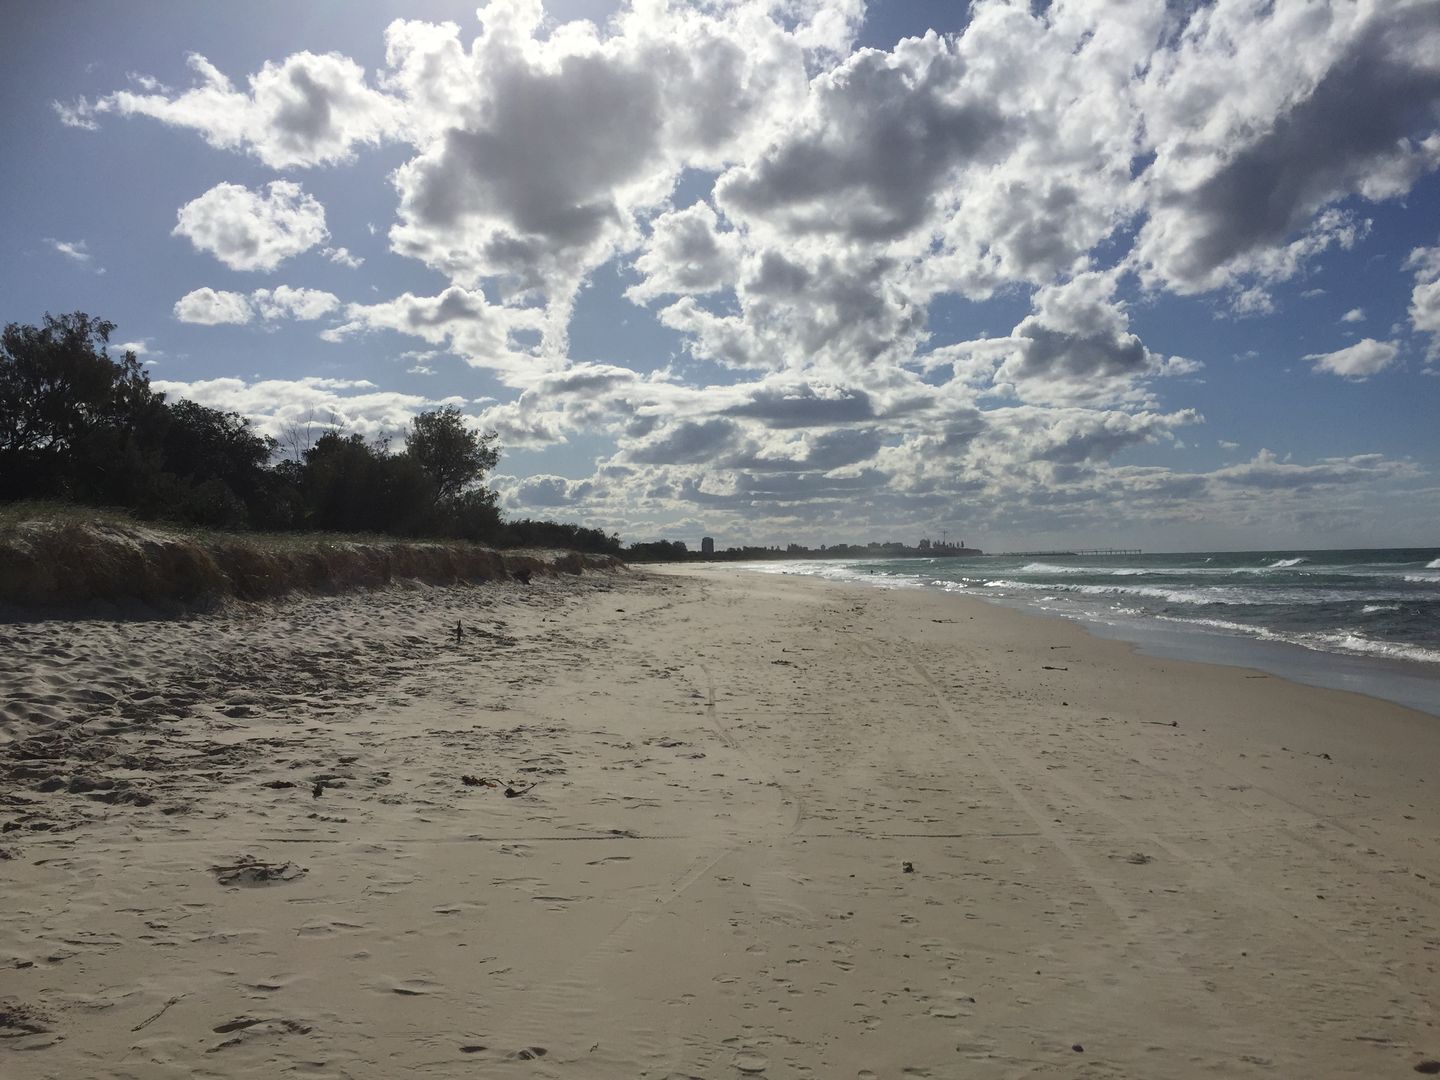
(455, 456)
(65, 403)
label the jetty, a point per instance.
(1077, 551)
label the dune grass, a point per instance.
(55, 554)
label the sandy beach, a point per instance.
(698, 822)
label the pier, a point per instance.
(1077, 551)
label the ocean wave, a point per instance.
(1282, 563)
(1174, 596)
(1433, 564)
(1342, 641)
(1423, 579)
(1348, 641)
(1371, 609)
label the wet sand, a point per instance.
(698, 823)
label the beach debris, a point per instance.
(1162, 723)
(1428, 1066)
(522, 576)
(318, 789)
(907, 868)
(459, 632)
(529, 1053)
(1052, 667)
(1138, 858)
(474, 1048)
(1077, 1048)
(249, 871)
(151, 1019)
(17, 1020)
(513, 788)
(278, 784)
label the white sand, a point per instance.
(707, 880)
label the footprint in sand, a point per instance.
(245, 1026)
(751, 1061)
(414, 987)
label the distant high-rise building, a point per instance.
(707, 545)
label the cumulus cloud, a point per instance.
(211, 307)
(283, 302)
(461, 320)
(1055, 154)
(686, 254)
(1425, 297)
(1359, 361)
(1262, 118)
(247, 230)
(1354, 315)
(342, 257)
(306, 110)
(273, 405)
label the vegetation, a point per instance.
(78, 426)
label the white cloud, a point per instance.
(283, 302)
(210, 307)
(1354, 315)
(306, 110)
(139, 348)
(1359, 361)
(1262, 118)
(342, 257)
(687, 253)
(463, 321)
(76, 251)
(1425, 296)
(1058, 153)
(273, 404)
(247, 230)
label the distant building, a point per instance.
(707, 545)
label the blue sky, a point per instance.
(1083, 273)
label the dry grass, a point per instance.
(57, 555)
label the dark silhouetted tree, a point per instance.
(455, 456)
(65, 404)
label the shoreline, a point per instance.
(1411, 683)
(759, 826)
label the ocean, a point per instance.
(1366, 620)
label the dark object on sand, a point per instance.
(907, 868)
(459, 631)
(522, 576)
(318, 789)
(250, 871)
(1078, 1048)
(1429, 1067)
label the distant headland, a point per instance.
(679, 551)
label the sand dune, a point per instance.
(699, 823)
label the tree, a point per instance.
(63, 399)
(454, 456)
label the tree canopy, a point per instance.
(81, 425)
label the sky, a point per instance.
(1095, 273)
